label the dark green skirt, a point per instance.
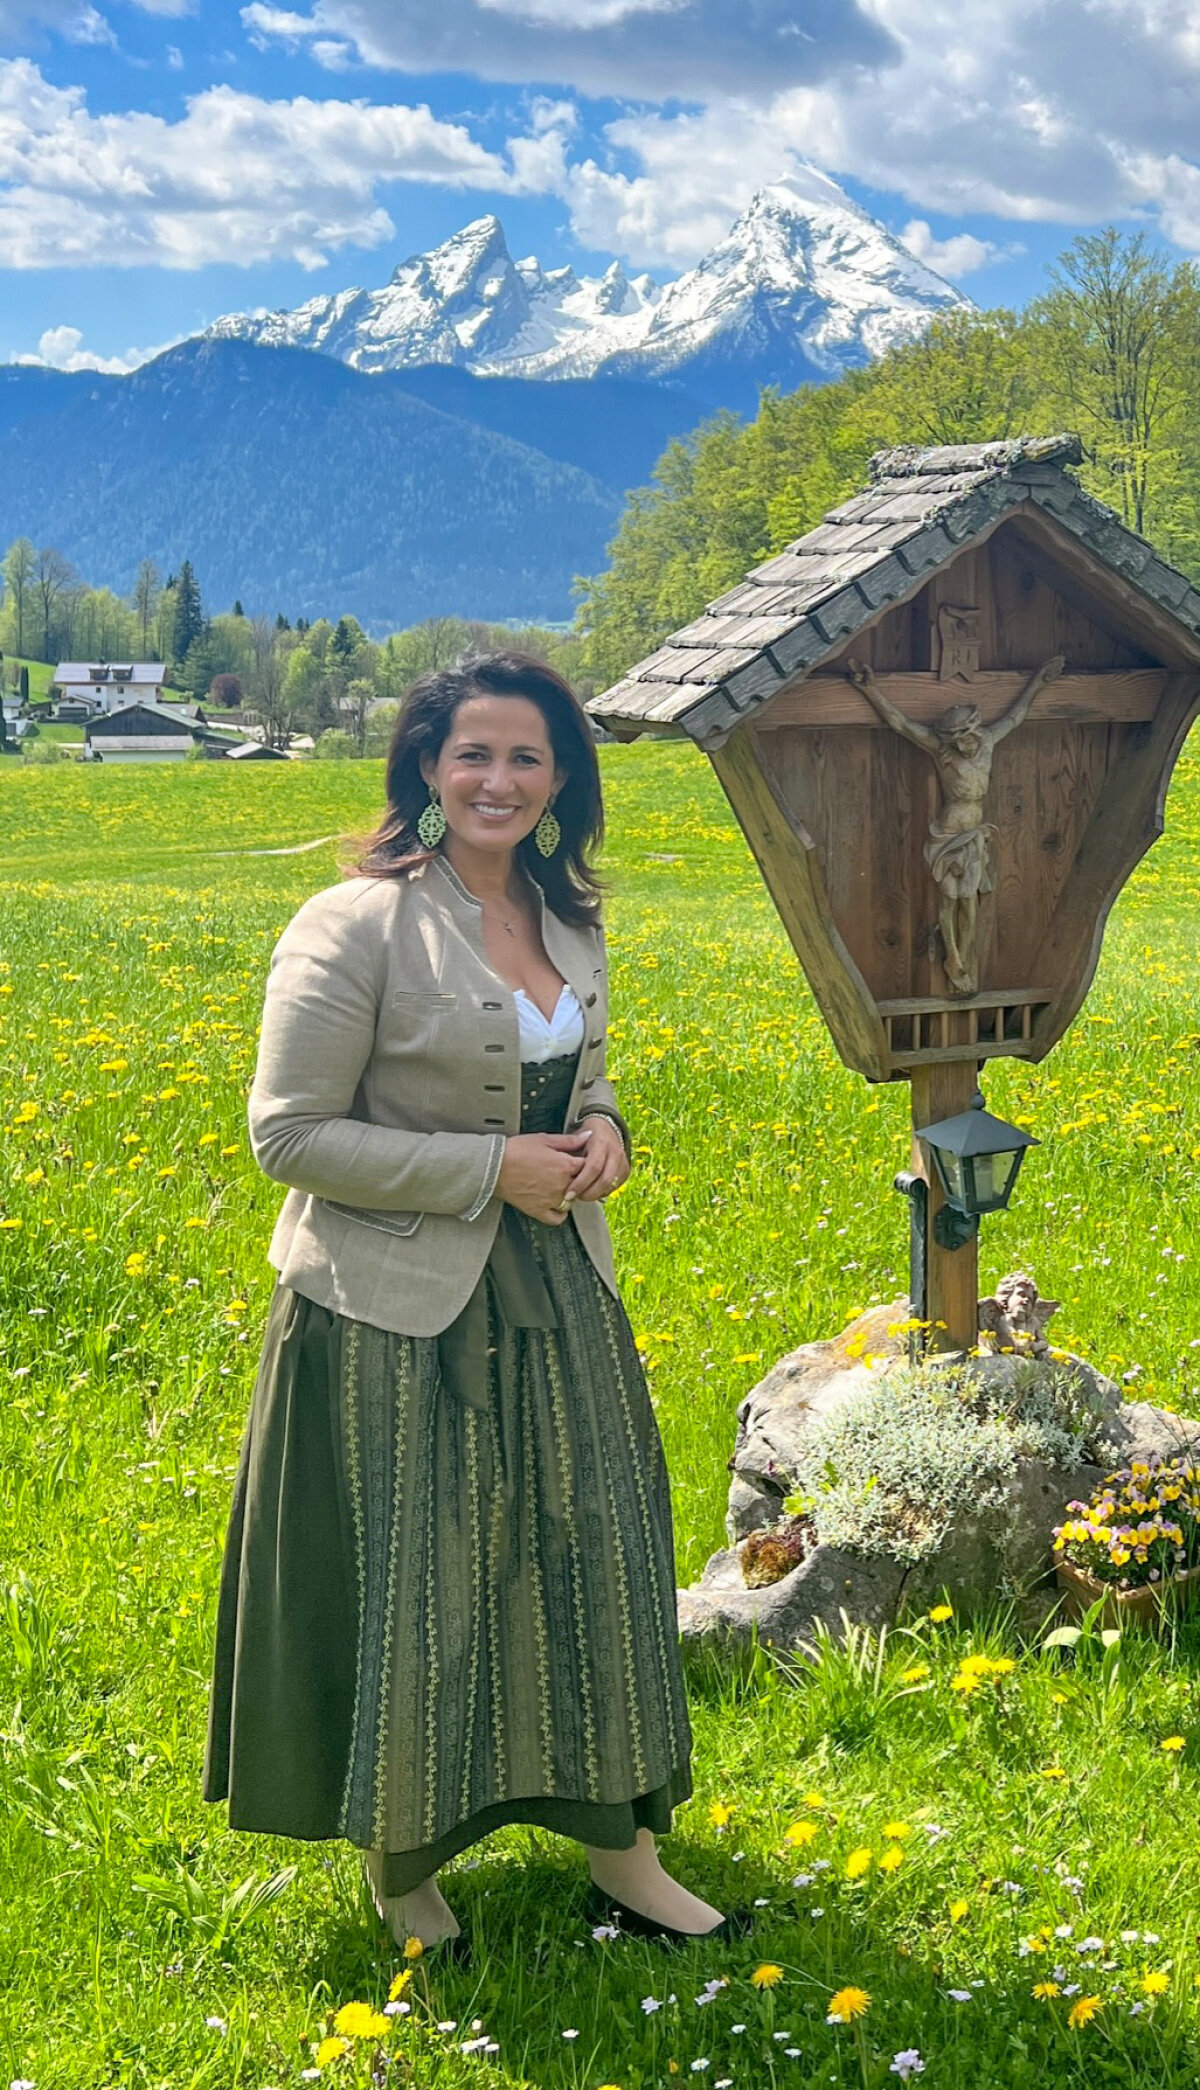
(447, 1602)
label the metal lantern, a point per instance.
(978, 1158)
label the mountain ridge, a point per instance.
(297, 484)
(805, 285)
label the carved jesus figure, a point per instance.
(958, 851)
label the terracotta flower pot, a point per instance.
(1126, 1607)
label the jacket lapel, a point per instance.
(568, 954)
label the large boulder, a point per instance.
(1008, 1548)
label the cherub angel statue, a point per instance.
(1015, 1317)
(958, 850)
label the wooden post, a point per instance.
(952, 1274)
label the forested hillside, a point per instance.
(1111, 350)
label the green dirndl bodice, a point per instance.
(447, 1598)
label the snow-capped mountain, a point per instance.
(805, 285)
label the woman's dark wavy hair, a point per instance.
(426, 715)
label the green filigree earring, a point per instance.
(432, 824)
(547, 834)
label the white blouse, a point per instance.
(542, 1040)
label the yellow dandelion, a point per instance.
(1083, 2011)
(413, 1948)
(401, 1982)
(940, 1613)
(896, 1831)
(966, 1681)
(719, 1814)
(329, 2050)
(135, 1264)
(858, 1863)
(360, 2021)
(916, 1675)
(766, 1975)
(801, 1832)
(1173, 1744)
(1156, 1983)
(1052, 1770)
(892, 1858)
(848, 2004)
(1044, 1990)
(812, 1799)
(1002, 1666)
(958, 1909)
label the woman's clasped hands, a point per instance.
(545, 1173)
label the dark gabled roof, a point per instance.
(921, 507)
(103, 721)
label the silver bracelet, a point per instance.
(597, 1110)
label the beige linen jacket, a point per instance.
(388, 1075)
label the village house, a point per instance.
(148, 732)
(84, 689)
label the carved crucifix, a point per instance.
(958, 851)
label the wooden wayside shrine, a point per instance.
(946, 720)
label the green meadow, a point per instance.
(1008, 1874)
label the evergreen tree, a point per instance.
(237, 610)
(189, 612)
(281, 622)
(347, 638)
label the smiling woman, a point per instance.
(448, 1594)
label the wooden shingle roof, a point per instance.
(920, 509)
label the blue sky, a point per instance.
(165, 161)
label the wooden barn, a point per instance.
(945, 720)
(146, 732)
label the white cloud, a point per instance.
(77, 20)
(88, 27)
(236, 178)
(953, 257)
(648, 49)
(60, 348)
(1073, 112)
(579, 14)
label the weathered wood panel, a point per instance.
(1129, 694)
(787, 858)
(1035, 619)
(1127, 817)
(1045, 782)
(1104, 596)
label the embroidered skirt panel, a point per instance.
(447, 1598)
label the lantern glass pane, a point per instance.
(993, 1179)
(951, 1168)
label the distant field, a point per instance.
(41, 674)
(134, 1285)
